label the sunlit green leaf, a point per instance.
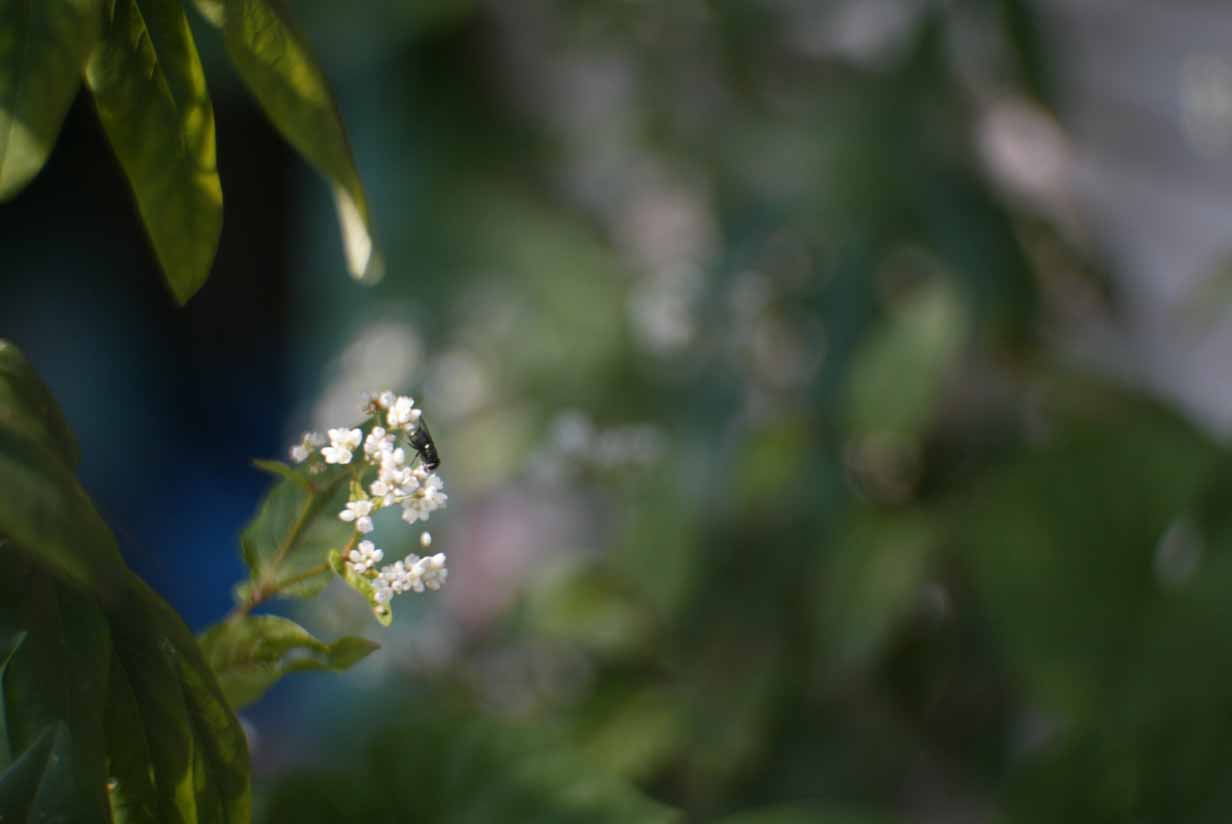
(287, 543)
(150, 92)
(43, 45)
(381, 610)
(131, 791)
(198, 750)
(278, 68)
(250, 654)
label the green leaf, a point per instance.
(1098, 564)
(382, 611)
(45, 511)
(871, 578)
(102, 684)
(292, 534)
(145, 730)
(1063, 545)
(51, 719)
(149, 88)
(250, 654)
(276, 65)
(898, 376)
(131, 790)
(198, 751)
(28, 408)
(43, 45)
(41, 786)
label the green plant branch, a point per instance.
(269, 590)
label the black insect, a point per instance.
(421, 442)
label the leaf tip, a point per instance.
(364, 260)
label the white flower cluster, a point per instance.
(311, 442)
(398, 480)
(412, 574)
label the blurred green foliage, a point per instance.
(898, 558)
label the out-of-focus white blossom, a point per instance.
(364, 557)
(309, 442)
(342, 442)
(425, 540)
(403, 414)
(432, 571)
(378, 442)
(360, 512)
(426, 499)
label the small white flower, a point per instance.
(341, 443)
(359, 512)
(400, 578)
(425, 540)
(378, 443)
(309, 442)
(414, 567)
(364, 557)
(381, 591)
(397, 480)
(386, 399)
(432, 571)
(334, 455)
(425, 500)
(402, 414)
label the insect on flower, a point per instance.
(421, 441)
